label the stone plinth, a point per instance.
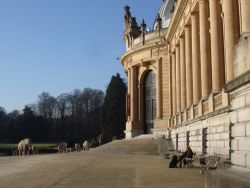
(133, 129)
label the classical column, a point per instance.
(159, 88)
(196, 58)
(173, 82)
(183, 73)
(188, 58)
(134, 94)
(244, 16)
(204, 49)
(217, 48)
(129, 92)
(178, 80)
(141, 103)
(231, 33)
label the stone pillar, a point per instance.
(188, 58)
(159, 88)
(178, 80)
(183, 73)
(129, 81)
(129, 91)
(205, 49)
(217, 48)
(141, 103)
(196, 59)
(231, 33)
(244, 16)
(173, 82)
(134, 94)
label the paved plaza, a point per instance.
(122, 164)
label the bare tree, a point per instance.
(46, 105)
(62, 105)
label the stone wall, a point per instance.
(215, 130)
(219, 134)
(240, 117)
(242, 56)
(195, 136)
(228, 133)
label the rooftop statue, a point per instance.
(132, 30)
(130, 21)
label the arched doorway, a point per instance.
(149, 101)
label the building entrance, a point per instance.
(149, 101)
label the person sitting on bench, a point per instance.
(188, 154)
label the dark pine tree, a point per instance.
(113, 116)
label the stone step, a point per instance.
(143, 145)
(164, 146)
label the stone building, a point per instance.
(189, 77)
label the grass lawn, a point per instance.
(36, 145)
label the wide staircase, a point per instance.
(141, 145)
(146, 145)
(164, 146)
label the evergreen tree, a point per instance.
(113, 114)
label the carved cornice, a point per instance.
(140, 49)
(176, 18)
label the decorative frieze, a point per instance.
(173, 121)
(205, 107)
(159, 52)
(218, 102)
(178, 119)
(128, 62)
(188, 114)
(182, 116)
(196, 111)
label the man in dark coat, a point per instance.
(188, 154)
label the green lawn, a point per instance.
(36, 145)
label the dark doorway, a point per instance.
(187, 138)
(204, 141)
(177, 141)
(149, 101)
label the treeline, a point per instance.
(86, 114)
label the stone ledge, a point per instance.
(204, 117)
(228, 178)
(238, 82)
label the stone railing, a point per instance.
(150, 37)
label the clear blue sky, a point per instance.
(61, 45)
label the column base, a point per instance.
(204, 98)
(133, 129)
(216, 91)
(161, 133)
(161, 123)
(133, 133)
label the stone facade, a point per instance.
(199, 52)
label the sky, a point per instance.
(57, 46)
